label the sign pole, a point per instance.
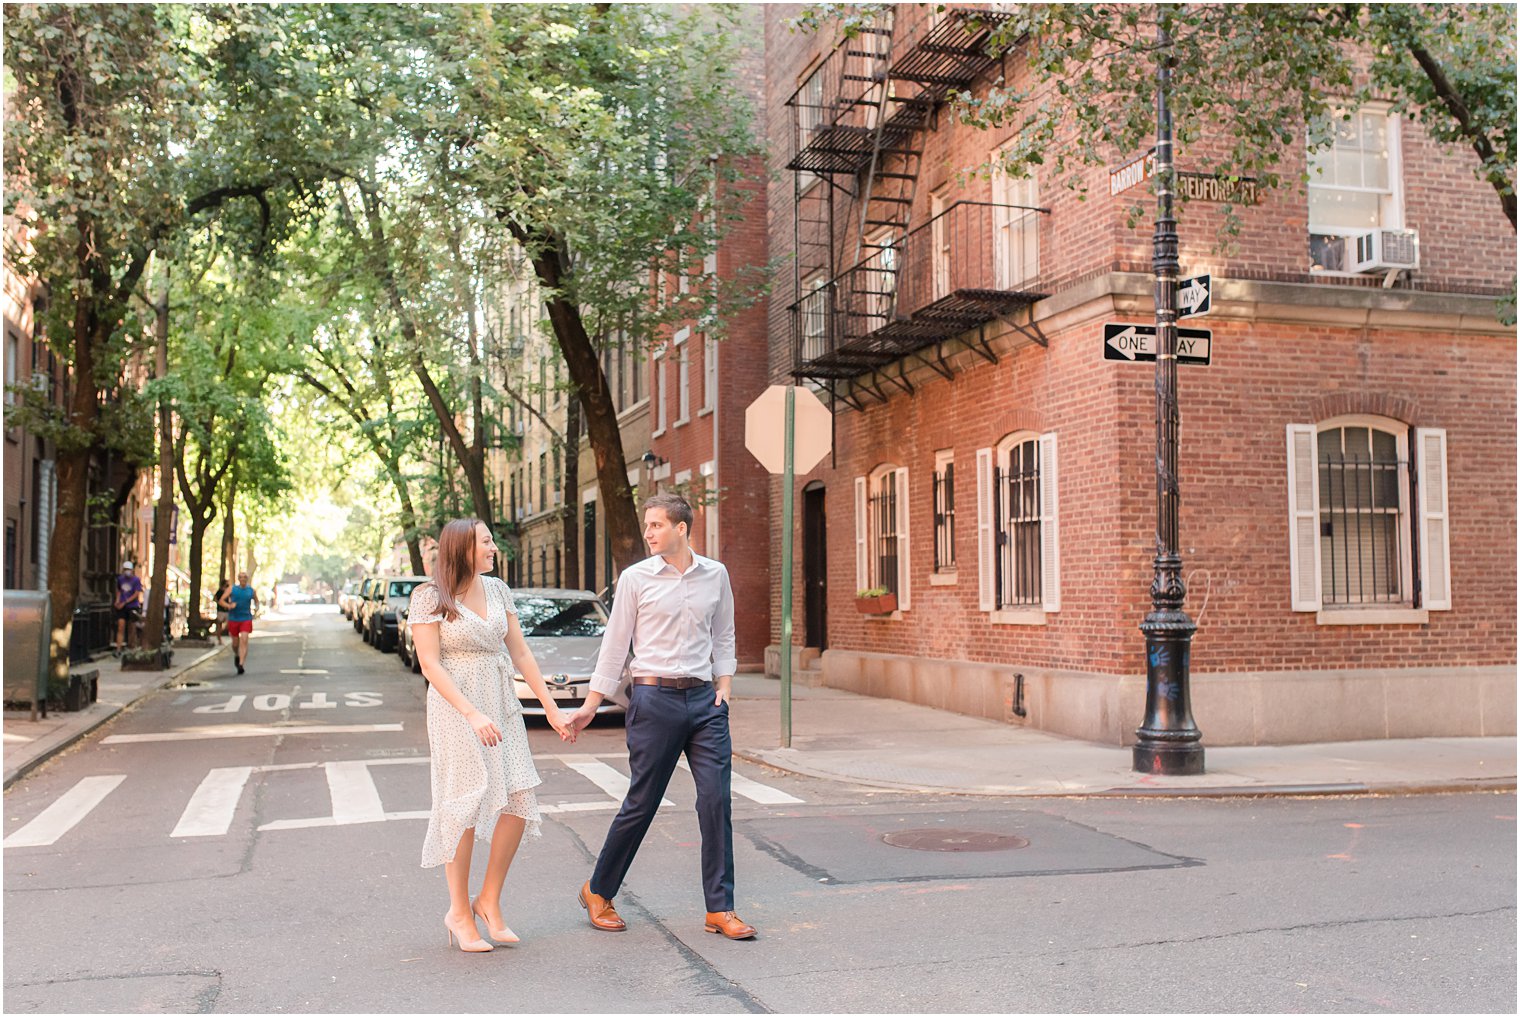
(787, 477)
(1167, 741)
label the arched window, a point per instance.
(1368, 519)
(881, 532)
(1018, 530)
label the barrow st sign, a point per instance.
(1134, 343)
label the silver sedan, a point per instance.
(564, 630)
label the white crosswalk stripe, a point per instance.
(65, 813)
(354, 796)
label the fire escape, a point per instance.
(871, 289)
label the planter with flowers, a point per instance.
(876, 600)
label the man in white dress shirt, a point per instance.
(676, 610)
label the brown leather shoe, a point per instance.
(600, 910)
(728, 923)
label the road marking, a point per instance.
(211, 808)
(190, 734)
(65, 813)
(752, 789)
(302, 670)
(355, 799)
(605, 777)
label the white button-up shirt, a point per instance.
(677, 623)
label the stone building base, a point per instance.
(1236, 708)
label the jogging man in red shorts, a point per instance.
(240, 602)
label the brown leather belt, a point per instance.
(683, 682)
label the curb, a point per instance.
(1305, 790)
(69, 738)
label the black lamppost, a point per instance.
(1169, 742)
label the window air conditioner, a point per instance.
(1383, 250)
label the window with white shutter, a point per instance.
(986, 539)
(1050, 525)
(1435, 531)
(1357, 534)
(886, 551)
(862, 540)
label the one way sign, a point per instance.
(1138, 342)
(1195, 296)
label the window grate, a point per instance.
(944, 518)
(1360, 527)
(1016, 509)
(884, 515)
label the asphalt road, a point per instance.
(186, 857)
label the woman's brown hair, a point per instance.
(454, 569)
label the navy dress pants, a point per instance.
(662, 724)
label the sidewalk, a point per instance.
(886, 743)
(29, 743)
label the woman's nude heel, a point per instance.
(501, 935)
(478, 945)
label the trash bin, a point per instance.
(28, 627)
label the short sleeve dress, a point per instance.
(474, 783)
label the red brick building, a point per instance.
(1348, 452)
(699, 386)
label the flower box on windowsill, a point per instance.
(884, 603)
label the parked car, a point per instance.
(362, 600)
(388, 598)
(564, 630)
(406, 650)
(346, 598)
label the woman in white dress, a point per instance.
(464, 623)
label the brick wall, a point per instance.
(1272, 367)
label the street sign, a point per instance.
(1132, 174)
(1226, 190)
(765, 429)
(1138, 343)
(1194, 296)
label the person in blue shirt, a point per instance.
(127, 605)
(240, 602)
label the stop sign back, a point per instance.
(765, 429)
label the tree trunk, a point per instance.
(229, 533)
(158, 593)
(198, 526)
(73, 468)
(572, 485)
(591, 386)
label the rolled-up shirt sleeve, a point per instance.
(618, 639)
(725, 660)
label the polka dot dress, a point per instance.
(474, 783)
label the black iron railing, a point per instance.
(944, 518)
(968, 265)
(1016, 507)
(1361, 529)
(884, 517)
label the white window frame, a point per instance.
(1015, 232)
(662, 404)
(1391, 203)
(683, 377)
(1429, 518)
(709, 375)
(884, 260)
(939, 203)
(868, 533)
(1049, 539)
(947, 575)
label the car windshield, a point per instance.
(555, 616)
(405, 589)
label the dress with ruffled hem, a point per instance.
(475, 783)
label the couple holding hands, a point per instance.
(675, 612)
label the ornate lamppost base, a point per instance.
(1169, 760)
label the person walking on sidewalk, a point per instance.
(676, 610)
(127, 606)
(465, 625)
(240, 602)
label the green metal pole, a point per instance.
(786, 570)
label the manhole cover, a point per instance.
(954, 840)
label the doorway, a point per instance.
(588, 546)
(815, 569)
